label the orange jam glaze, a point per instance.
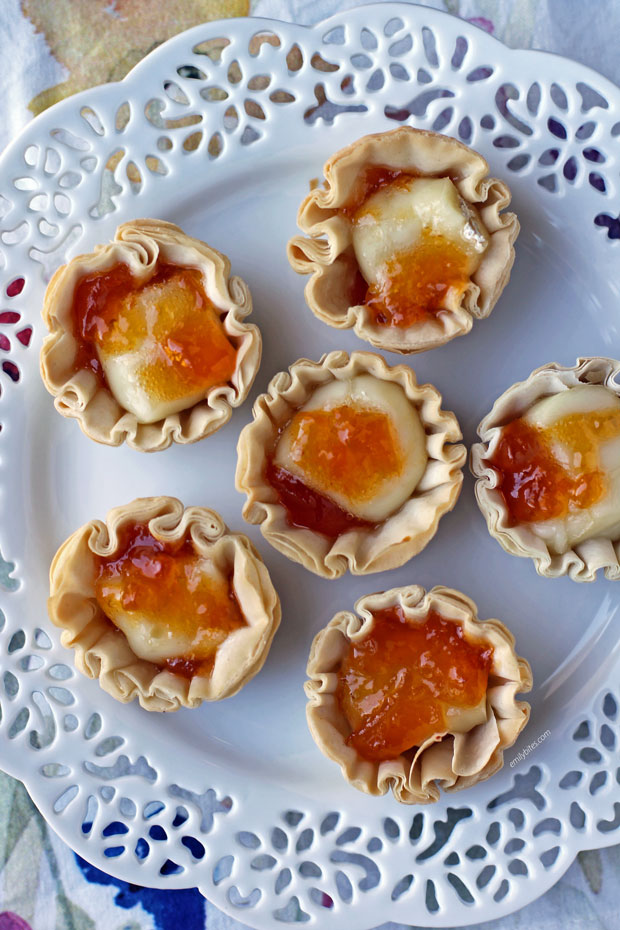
(395, 683)
(163, 580)
(416, 283)
(309, 509)
(534, 485)
(113, 313)
(348, 449)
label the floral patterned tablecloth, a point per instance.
(48, 50)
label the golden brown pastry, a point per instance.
(406, 241)
(414, 693)
(163, 603)
(147, 341)
(548, 469)
(349, 464)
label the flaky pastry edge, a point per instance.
(582, 562)
(102, 651)
(448, 761)
(361, 551)
(79, 395)
(325, 251)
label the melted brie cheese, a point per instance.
(126, 379)
(365, 392)
(165, 348)
(173, 631)
(393, 219)
(603, 517)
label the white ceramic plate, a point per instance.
(235, 798)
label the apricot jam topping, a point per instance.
(397, 684)
(163, 586)
(416, 283)
(169, 318)
(309, 509)
(536, 486)
(412, 284)
(345, 448)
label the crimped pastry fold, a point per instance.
(103, 652)
(581, 562)
(447, 761)
(140, 244)
(400, 536)
(325, 250)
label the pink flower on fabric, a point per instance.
(483, 22)
(10, 921)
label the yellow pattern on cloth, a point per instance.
(99, 41)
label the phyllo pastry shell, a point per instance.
(147, 341)
(349, 464)
(388, 726)
(163, 603)
(406, 241)
(548, 469)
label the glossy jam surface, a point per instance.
(416, 283)
(165, 583)
(396, 684)
(345, 448)
(169, 319)
(534, 484)
(309, 509)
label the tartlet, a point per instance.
(163, 603)
(349, 464)
(406, 241)
(548, 469)
(147, 341)
(415, 737)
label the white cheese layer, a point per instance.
(126, 380)
(156, 637)
(366, 392)
(145, 354)
(603, 517)
(391, 221)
